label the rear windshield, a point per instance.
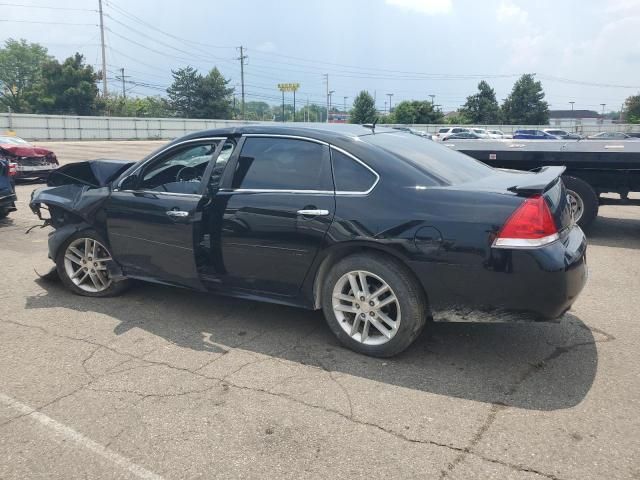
(447, 165)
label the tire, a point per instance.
(3, 213)
(94, 279)
(409, 309)
(583, 192)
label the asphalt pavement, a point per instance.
(169, 383)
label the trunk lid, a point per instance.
(545, 182)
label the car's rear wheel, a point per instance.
(584, 200)
(373, 304)
(3, 213)
(82, 264)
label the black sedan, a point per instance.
(380, 229)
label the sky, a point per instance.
(584, 51)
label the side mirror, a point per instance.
(129, 183)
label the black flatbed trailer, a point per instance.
(593, 167)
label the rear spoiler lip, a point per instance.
(539, 182)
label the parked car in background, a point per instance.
(634, 134)
(7, 190)
(496, 134)
(533, 135)
(481, 132)
(563, 134)
(379, 233)
(463, 136)
(446, 131)
(610, 136)
(32, 163)
(413, 131)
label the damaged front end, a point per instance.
(73, 197)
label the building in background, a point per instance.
(576, 118)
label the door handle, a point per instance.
(314, 213)
(177, 213)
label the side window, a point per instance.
(349, 175)
(283, 164)
(221, 164)
(180, 171)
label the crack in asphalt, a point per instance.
(463, 452)
(496, 407)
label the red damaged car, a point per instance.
(32, 163)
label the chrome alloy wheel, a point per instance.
(85, 263)
(577, 205)
(366, 307)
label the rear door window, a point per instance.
(267, 163)
(351, 176)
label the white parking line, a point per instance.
(80, 439)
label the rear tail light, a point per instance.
(13, 169)
(531, 225)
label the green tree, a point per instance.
(457, 118)
(632, 109)
(192, 95)
(214, 98)
(256, 110)
(416, 111)
(70, 87)
(482, 107)
(20, 72)
(364, 109)
(184, 92)
(525, 104)
(152, 107)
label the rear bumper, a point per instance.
(536, 284)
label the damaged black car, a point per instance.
(380, 229)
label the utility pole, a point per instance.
(326, 79)
(242, 58)
(122, 78)
(602, 116)
(433, 99)
(389, 95)
(345, 104)
(104, 58)
(331, 92)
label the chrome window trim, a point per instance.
(324, 192)
(155, 192)
(169, 147)
(281, 135)
(275, 190)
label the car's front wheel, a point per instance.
(373, 304)
(82, 264)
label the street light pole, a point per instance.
(433, 99)
(389, 95)
(573, 120)
(345, 104)
(331, 92)
(602, 116)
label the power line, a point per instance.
(47, 7)
(49, 23)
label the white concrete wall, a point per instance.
(64, 127)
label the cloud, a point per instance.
(426, 7)
(509, 12)
(266, 47)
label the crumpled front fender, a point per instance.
(80, 200)
(57, 237)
